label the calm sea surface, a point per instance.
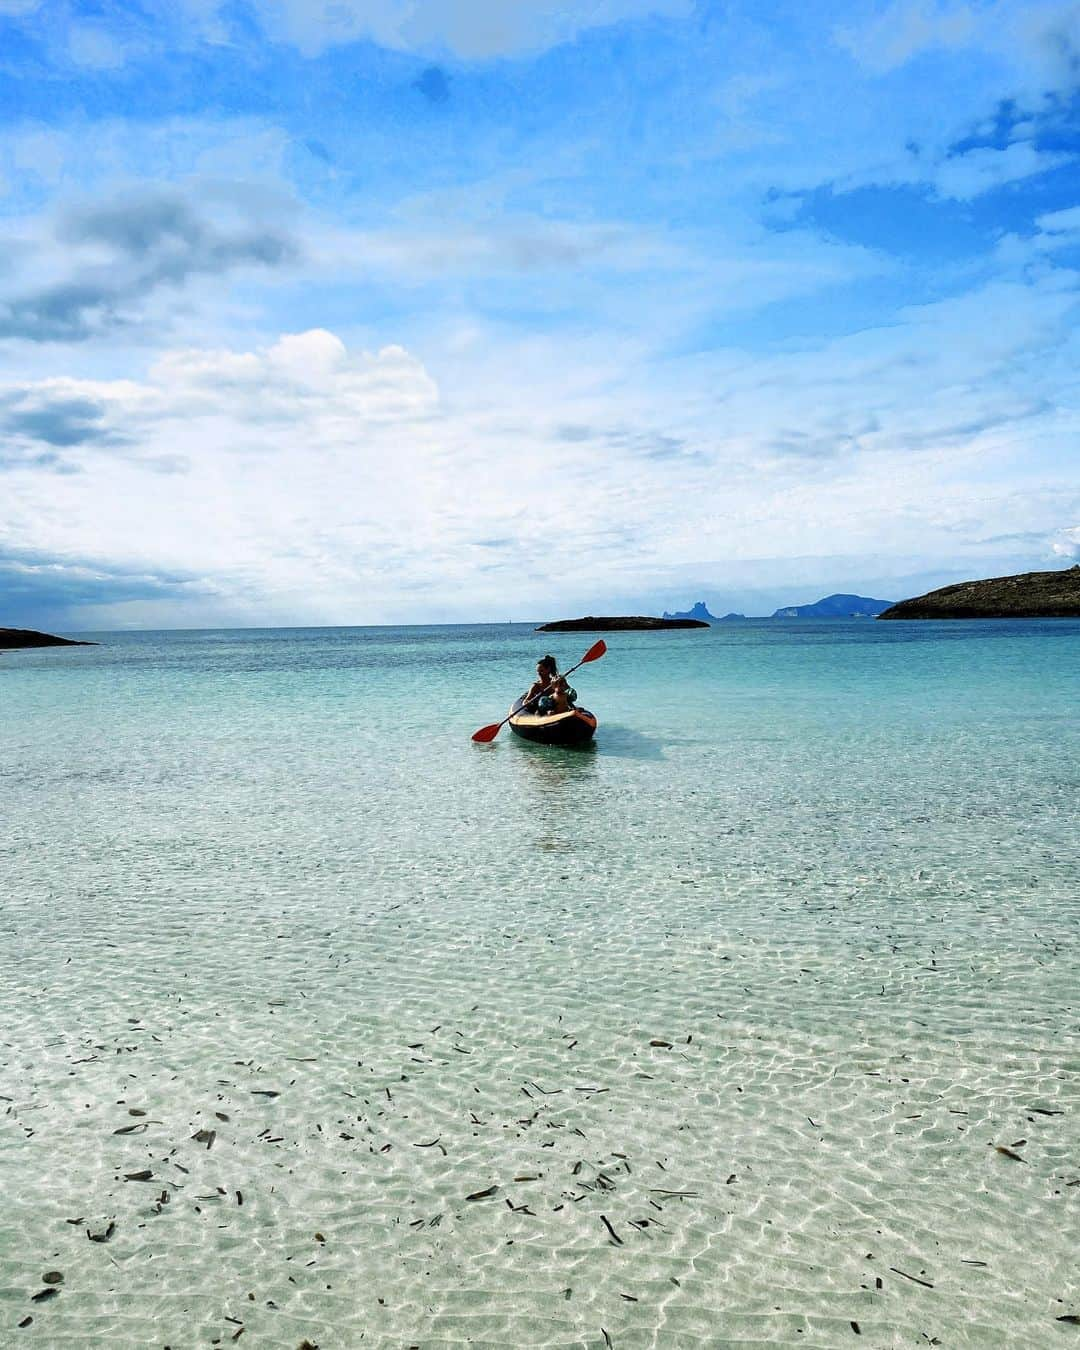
(318, 1021)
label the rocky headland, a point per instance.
(13, 638)
(1029, 595)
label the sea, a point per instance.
(756, 1022)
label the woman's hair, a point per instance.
(549, 663)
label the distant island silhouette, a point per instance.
(831, 607)
(700, 611)
(1028, 595)
(836, 607)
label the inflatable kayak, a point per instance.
(569, 728)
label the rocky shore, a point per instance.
(14, 638)
(1029, 595)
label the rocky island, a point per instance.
(835, 607)
(619, 623)
(12, 638)
(698, 611)
(1030, 595)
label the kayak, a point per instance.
(569, 728)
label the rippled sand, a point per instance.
(785, 1070)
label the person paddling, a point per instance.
(549, 694)
(546, 671)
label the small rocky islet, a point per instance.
(618, 623)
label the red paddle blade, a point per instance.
(595, 652)
(486, 734)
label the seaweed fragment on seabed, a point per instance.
(913, 1278)
(614, 1236)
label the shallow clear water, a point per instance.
(760, 980)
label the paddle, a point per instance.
(594, 653)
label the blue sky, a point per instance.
(393, 310)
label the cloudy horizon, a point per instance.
(382, 312)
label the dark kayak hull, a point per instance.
(570, 728)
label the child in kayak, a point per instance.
(550, 694)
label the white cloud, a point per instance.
(905, 29)
(305, 481)
(1067, 543)
(966, 176)
(1039, 40)
(306, 380)
(119, 155)
(94, 46)
(472, 29)
(1060, 222)
(515, 244)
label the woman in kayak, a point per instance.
(549, 694)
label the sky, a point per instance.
(390, 311)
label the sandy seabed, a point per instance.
(542, 1124)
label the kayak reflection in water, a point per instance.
(550, 693)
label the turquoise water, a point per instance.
(761, 980)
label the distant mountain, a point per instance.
(726, 618)
(836, 607)
(1030, 595)
(699, 611)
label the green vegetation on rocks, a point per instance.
(1030, 595)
